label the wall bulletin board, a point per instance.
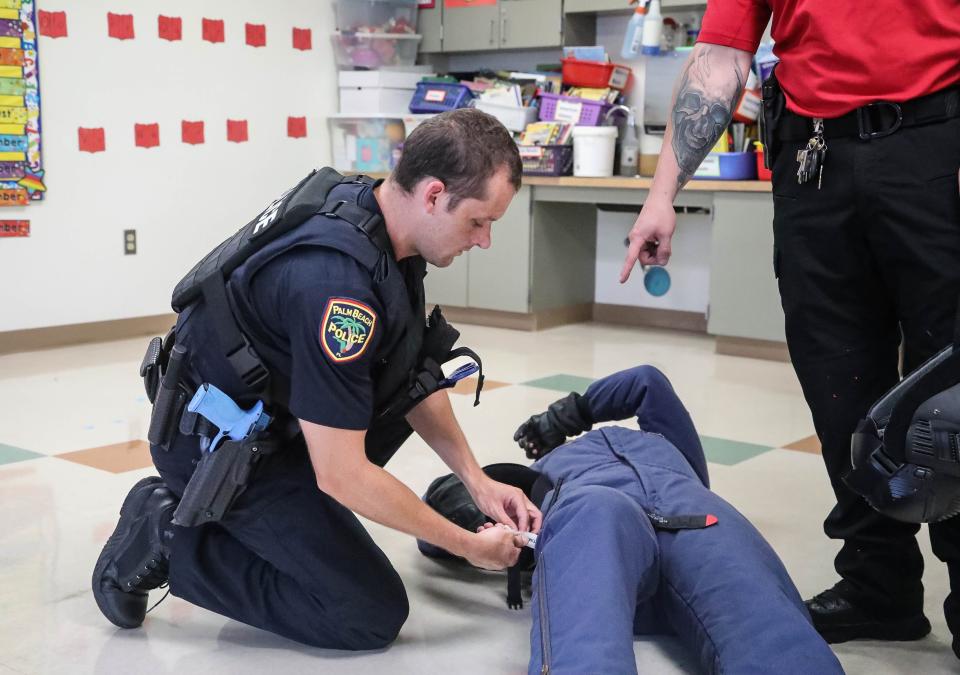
(21, 169)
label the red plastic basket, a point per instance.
(596, 74)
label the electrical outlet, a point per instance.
(129, 242)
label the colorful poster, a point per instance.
(21, 169)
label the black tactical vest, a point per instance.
(288, 223)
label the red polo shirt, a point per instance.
(837, 55)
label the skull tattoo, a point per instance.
(697, 124)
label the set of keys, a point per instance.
(811, 158)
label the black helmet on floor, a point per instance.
(906, 453)
(448, 496)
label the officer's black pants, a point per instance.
(868, 261)
(287, 558)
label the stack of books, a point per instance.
(606, 95)
(547, 133)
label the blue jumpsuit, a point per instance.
(604, 573)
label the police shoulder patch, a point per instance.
(347, 329)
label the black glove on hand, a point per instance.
(565, 417)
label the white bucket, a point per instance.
(593, 151)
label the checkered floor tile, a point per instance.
(117, 458)
(809, 444)
(10, 454)
(727, 452)
(564, 383)
(468, 386)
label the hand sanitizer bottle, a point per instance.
(629, 148)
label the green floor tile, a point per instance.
(10, 454)
(565, 383)
(723, 451)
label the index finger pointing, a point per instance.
(628, 263)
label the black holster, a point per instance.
(220, 477)
(774, 104)
(162, 371)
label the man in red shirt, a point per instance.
(866, 242)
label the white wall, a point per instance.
(181, 199)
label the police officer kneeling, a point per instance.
(315, 309)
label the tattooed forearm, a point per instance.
(710, 86)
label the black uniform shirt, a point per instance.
(316, 310)
(319, 310)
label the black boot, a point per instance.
(136, 557)
(951, 611)
(838, 616)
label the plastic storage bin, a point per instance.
(590, 112)
(369, 51)
(377, 16)
(365, 144)
(728, 166)
(546, 160)
(512, 117)
(437, 97)
(596, 74)
(593, 151)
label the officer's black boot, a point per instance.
(838, 615)
(136, 557)
(951, 611)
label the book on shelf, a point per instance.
(546, 133)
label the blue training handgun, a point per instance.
(233, 421)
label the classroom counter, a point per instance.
(642, 183)
(638, 183)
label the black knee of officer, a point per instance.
(380, 628)
(372, 619)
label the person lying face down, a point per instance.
(633, 542)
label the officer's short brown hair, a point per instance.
(463, 149)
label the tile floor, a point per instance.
(72, 424)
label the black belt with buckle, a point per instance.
(877, 119)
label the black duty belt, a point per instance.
(877, 119)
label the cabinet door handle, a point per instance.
(493, 26)
(503, 30)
